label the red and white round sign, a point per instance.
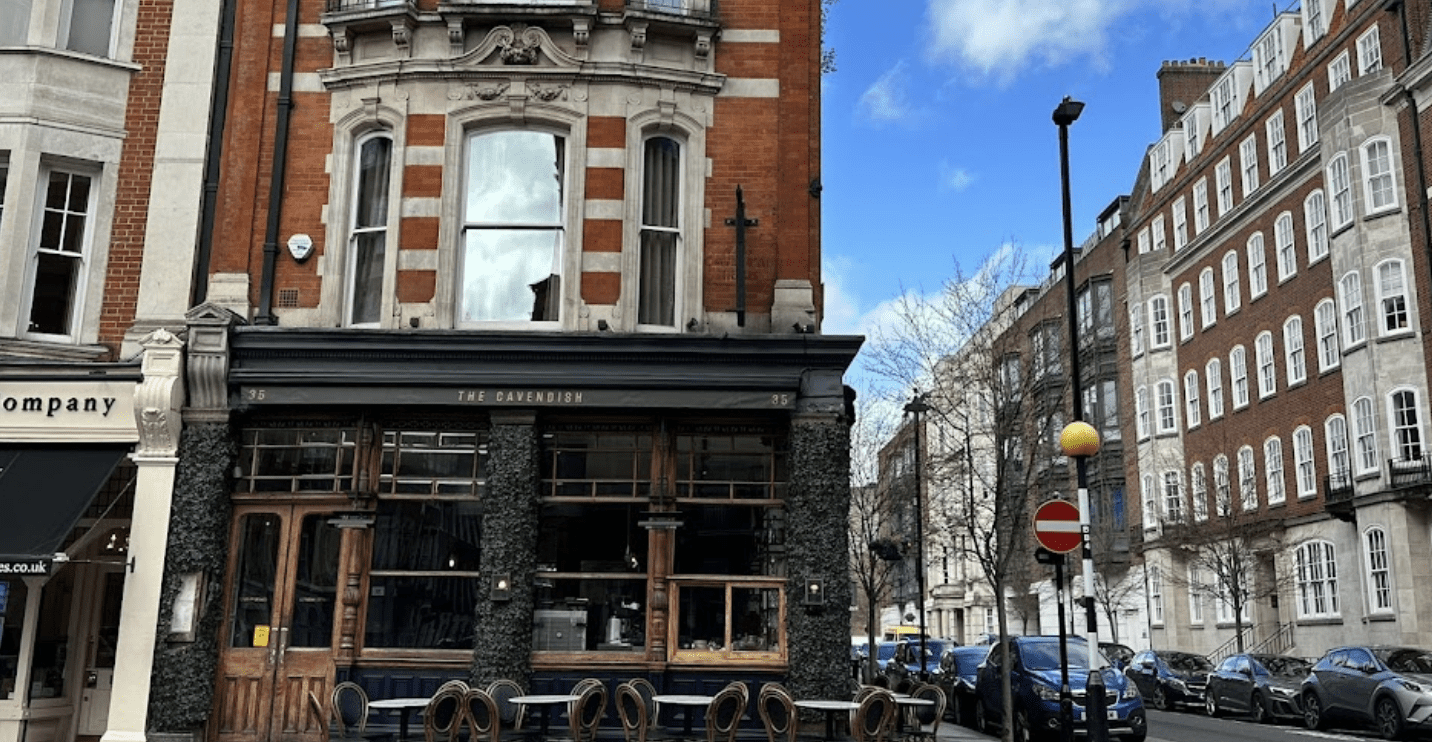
(1056, 526)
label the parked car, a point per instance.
(1386, 688)
(1170, 679)
(959, 667)
(1264, 686)
(883, 652)
(1118, 654)
(1035, 680)
(904, 666)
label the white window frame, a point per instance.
(1198, 484)
(1269, 59)
(1340, 186)
(1277, 137)
(1224, 99)
(1193, 411)
(1353, 317)
(1207, 298)
(1201, 217)
(1285, 246)
(1172, 496)
(1145, 243)
(1166, 406)
(1213, 376)
(1185, 311)
(1305, 103)
(1369, 51)
(67, 29)
(1238, 376)
(1247, 479)
(357, 232)
(1143, 420)
(672, 287)
(1315, 23)
(1379, 570)
(83, 257)
(1273, 470)
(1379, 184)
(1223, 178)
(1325, 322)
(1160, 333)
(1156, 605)
(1339, 71)
(1136, 330)
(1222, 487)
(1195, 596)
(1304, 468)
(1404, 425)
(1257, 266)
(1160, 233)
(1316, 580)
(1248, 168)
(1335, 441)
(1393, 301)
(1180, 224)
(1294, 357)
(1365, 454)
(1232, 291)
(1160, 164)
(1267, 367)
(1315, 222)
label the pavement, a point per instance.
(953, 732)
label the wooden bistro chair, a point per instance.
(480, 716)
(723, 715)
(647, 691)
(778, 713)
(875, 718)
(444, 715)
(632, 710)
(349, 703)
(587, 712)
(317, 717)
(924, 721)
(511, 714)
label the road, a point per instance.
(1194, 726)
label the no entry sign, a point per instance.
(1056, 526)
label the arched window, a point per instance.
(1213, 373)
(1198, 479)
(1136, 330)
(1305, 471)
(1285, 246)
(661, 205)
(1238, 376)
(1167, 400)
(1406, 426)
(1185, 311)
(1257, 266)
(1150, 504)
(1317, 580)
(1173, 496)
(1339, 463)
(1207, 298)
(1142, 419)
(1392, 297)
(1158, 320)
(1350, 297)
(1365, 434)
(1232, 293)
(368, 230)
(1325, 321)
(1192, 412)
(1247, 479)
(1340, 185)
(1222, 494)
(1379, 570)
(1377, 180)
(1297, 365)
(1315, 220)
(1267, 370)
(1273, 470)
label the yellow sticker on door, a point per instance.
(261, 636)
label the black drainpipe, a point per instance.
(218, 113)
(280, 151)
(1401, 7)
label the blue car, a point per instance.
(959, 668)
(904, 666)
(1035, 680)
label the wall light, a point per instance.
(502, 587)
(814, 594)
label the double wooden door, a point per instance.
(277, 645)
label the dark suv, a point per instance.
(1035, 681)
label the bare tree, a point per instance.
(870, 506)
(992, 424)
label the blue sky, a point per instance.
(938, 144)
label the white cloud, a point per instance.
(842, 309)
(954, 178)
(999, 38)
(886, 99)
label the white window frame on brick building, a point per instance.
(1392, 303)
(1285, 247)
(1160, 334)
(1277, 137)
(1222, 488)
(1156, 604)
(1340, 186)
(1257, 266)
(1315, 222)
(1192, 133)
(1273, 470)
(1232, 292)
(1195, 595)
(1404, 423)
(1213, 375)
(1379, 189)
(1200, 206)
(1136, 330)
(1173, 496)
(1160, 164)
(1248, 167)
(1185, 311)
(1247, 479)
(1294, 358)
(1335, 441)
(1379, 570)
(1364, 436)
(1270, 58)
(1304, 468)
(1157, 226)
(367, 279)
(1238, 376)
(661, 240)
(1267, 367)
(1193, 412)
(1339, 71)
(1369, 51)
(1207, 298)
(1143, 421)
(1350, 301)
(1166, 404)
(1305, 104)
(1223, 97)
(1316, 580)
(1180, 224)
(1223, 179)
(1315, 23)
(1145, 242)
(1325, 324)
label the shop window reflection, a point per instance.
(48, 666)
(12, 609)
(423, 585)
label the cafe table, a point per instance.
(403, 706)
(908, 702)
(830, 708)
(546, 701)
(687, 702)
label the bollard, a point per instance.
(1095, 707)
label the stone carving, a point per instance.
(518, 44)
(457, 37)
(159, 396)
(548, 93)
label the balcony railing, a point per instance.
(691, 8)
(1338, 492)
(1409, 472)
(354, 6)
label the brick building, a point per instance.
(508, 361)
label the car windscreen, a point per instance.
(967, 663)
(1187, 662)
(1406, 659)
(1044, 655)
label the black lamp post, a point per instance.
(917, 406)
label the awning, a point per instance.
(43, 493)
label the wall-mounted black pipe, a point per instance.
(218, 114)
(265, 314)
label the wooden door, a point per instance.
(278, 641)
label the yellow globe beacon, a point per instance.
(1079, 439)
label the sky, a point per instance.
(938, 147)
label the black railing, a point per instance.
(353, 6)
(691, 8)
(1338, 486)
(1409, 472)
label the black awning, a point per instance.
(43, 493)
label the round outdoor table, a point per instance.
(403, 706)
(547, 701)
(829, 707)
(906, 700)
(686, 702)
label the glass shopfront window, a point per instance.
(12, 618)
(297, 460)
(52, 639)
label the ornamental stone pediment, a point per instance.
(518, 45)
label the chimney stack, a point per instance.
(1181, 84)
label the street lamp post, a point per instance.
(917, 406)
(1079, 440)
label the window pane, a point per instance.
(14, 29)
(368, 256)
(730, 540)
(589, 614)
(423, 588)
(11, 625)
(702, 617)
(658, 278)
(515, 177)
(511, 275)
(597, 464)
(90, 22)
(254, 577)
(56, 283)
(421, 612)
(315, 583)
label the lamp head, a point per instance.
(1067, 112)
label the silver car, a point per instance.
(1387, 688)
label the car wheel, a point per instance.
(1160, 698)
(1389, 718)
(1210, 703)
(1259, 710)
(1022, 732)
(1313, 712)
(1141, 728)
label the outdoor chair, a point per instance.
(723, 715)
(778, 713)
(480, 716)
(631, 709)
(924, 721)
(349, 703)
(444, 714)
(875, 718)
(510, 714)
